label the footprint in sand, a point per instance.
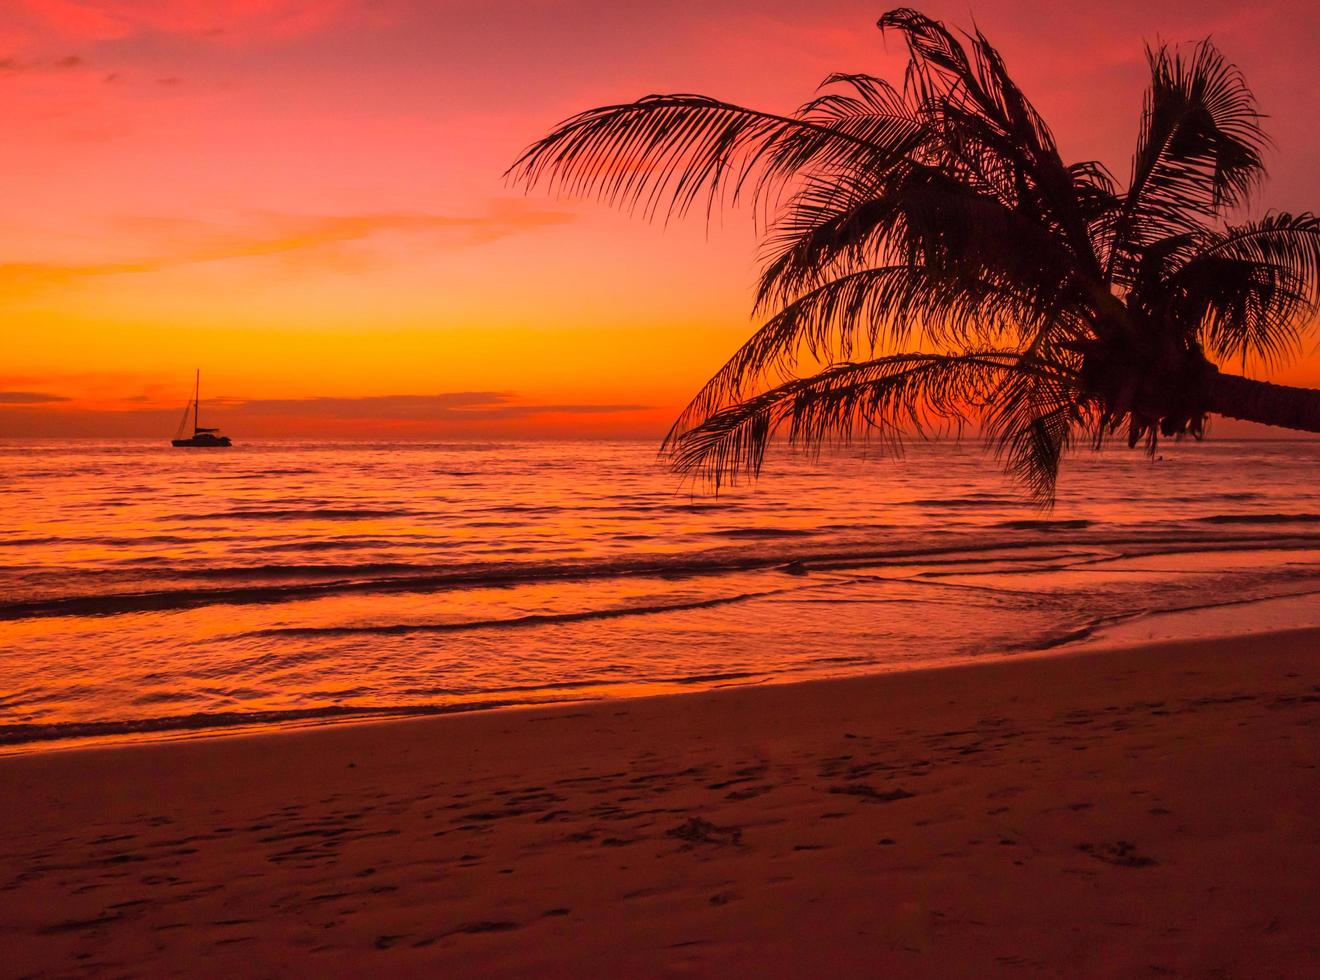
(698, 831)
(1121, 853)
(870, 794)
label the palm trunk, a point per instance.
(1258, 401)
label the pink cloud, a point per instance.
(184, 241)
(92, 21)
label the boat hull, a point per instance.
(202, 442)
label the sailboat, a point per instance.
(202, 438)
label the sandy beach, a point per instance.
(695, 490)
(1044, 816)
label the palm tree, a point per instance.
(936, 263)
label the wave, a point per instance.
(22, 734)
(1095, 627)
(109, 541)
(26, 733)
(298, 570)
(294, 513)
(1044, 525)
(1258, 519)
(322, 544)
(549, 693)
(514, 622)
(982, 500)
(261, 584)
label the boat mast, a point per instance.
(197, 394)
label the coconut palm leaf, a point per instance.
(879, 399)
(989, 132)
(923, 218)
(1199, 152)
(935, 229)
(867, 311)
(1249, 290)
(664, 153)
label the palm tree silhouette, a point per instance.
(937, 263)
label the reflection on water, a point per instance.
(144, 588)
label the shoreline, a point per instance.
(1096, 637)
(1042, 813)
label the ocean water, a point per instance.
(149, 592)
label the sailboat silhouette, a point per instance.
(202, 438)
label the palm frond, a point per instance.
(828, 228)
(1251, 290)
(1200, 151)
(989, 133)
(1289, 241)
(664, 153)
(865, 311)
(881, 398)
(1030, 423)
(925, 218)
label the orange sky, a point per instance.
(304, 197)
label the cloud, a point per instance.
(457, 414)
(29, 398)
(23, 275)
(452, 406)
(246, 20)
(13, 66)
(185, 242)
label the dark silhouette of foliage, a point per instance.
(937, 263)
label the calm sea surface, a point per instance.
(148, 590)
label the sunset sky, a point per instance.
(305, 197)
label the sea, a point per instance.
(148, 592)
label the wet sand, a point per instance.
(1141, 812)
